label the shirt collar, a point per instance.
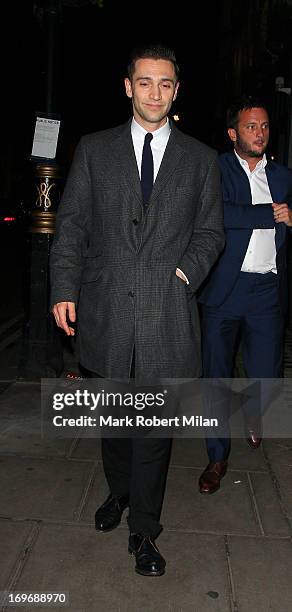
(260, 165)
(160, 136)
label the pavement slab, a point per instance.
(99, 574)
(20, 424)
(279, 451)
(242, 457)
(13, 535)
(269, 507)
(262, 574)
(42, 489)
(13, 441)
(283, 475)
(279, 455)
(229, 510)
(87, 448)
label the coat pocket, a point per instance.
(92, 270)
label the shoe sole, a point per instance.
(149, 574)
(209, 492)
(214, 490)
(107, 530)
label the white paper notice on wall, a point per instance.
(45, 137)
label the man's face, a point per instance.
(152, 89)
(251, 135)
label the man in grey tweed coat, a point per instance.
(130, 264)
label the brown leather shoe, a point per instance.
(253, 440)
(253, 431)
(210, 479)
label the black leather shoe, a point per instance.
(109, 515)
(210, 478)
(149, 561)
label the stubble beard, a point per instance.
(244, 148)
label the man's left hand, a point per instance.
(282, 214)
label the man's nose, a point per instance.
(155, 92)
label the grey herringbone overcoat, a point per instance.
(118, 262)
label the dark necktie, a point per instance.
(147, 169)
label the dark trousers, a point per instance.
(138, 467)
(252, 311)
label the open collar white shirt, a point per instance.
(260, 256)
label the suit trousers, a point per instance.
(138, 467)
(251, 312)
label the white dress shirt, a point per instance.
(158, 144)
(260, 256)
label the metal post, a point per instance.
(41, 351)
(41, 354)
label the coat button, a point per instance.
(131, 294)
(135, 221)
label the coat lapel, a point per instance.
(171, 158)
(125, 160)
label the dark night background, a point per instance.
(224, 48)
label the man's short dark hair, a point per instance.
(244, 102)
(154, 51)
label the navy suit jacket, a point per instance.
(240, 219)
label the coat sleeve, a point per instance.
(207, 239)
(241, 216)
(245, 215)
(71, 232)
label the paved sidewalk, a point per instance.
(228, 552)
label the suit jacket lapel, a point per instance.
(241, 184)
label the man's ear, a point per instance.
(175, 92)
(232, 134)
(128, 87)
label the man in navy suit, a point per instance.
(246, 293)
